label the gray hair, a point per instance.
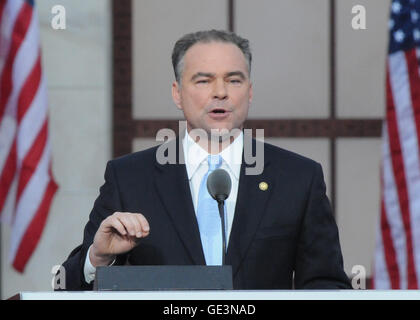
(188, 40)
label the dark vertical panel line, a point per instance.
(333, 102)
(114, 78)
(122, 121)
(231, 15)
(332, 60)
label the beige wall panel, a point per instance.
(361, 60)
(140, 144)
(315, 149)
(289, 40)
(80, 137)
(156, 27)
(358, 188)
(77, 56)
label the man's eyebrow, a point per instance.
(236, 73)
(202, 74)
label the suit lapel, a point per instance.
(174, 191)
(249, 209)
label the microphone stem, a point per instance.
(222, 218)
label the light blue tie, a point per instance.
(209, 219)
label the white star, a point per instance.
(396, 7)
(414, 16)
(391, 24)
(416, 34)
(399, 36)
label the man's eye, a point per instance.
(235, 81)
(202, 81)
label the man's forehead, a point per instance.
(210, 53)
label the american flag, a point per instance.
(397, 256)
(26, 183)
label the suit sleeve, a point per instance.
(319, 261)
(106, 204)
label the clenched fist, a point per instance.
(117, 234)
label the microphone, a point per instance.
(219, 185)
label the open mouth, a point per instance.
(217, 111)
(219, 114)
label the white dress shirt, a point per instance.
(197, 167)
(196, 164)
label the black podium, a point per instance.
(138, 278)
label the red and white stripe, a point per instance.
(26, 183)
(397, 257)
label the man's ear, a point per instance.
(176, 94)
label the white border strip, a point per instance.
(228, 295)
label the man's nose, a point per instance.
(220, 90)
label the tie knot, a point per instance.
(214, 161)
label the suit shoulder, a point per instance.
(143, 157)
(298, 168)
(289, 159)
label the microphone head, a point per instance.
(219, 184)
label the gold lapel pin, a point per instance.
(263, 186)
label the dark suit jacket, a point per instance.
(281, 238)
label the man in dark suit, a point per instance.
(279, 225)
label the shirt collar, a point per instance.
(195, 155)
